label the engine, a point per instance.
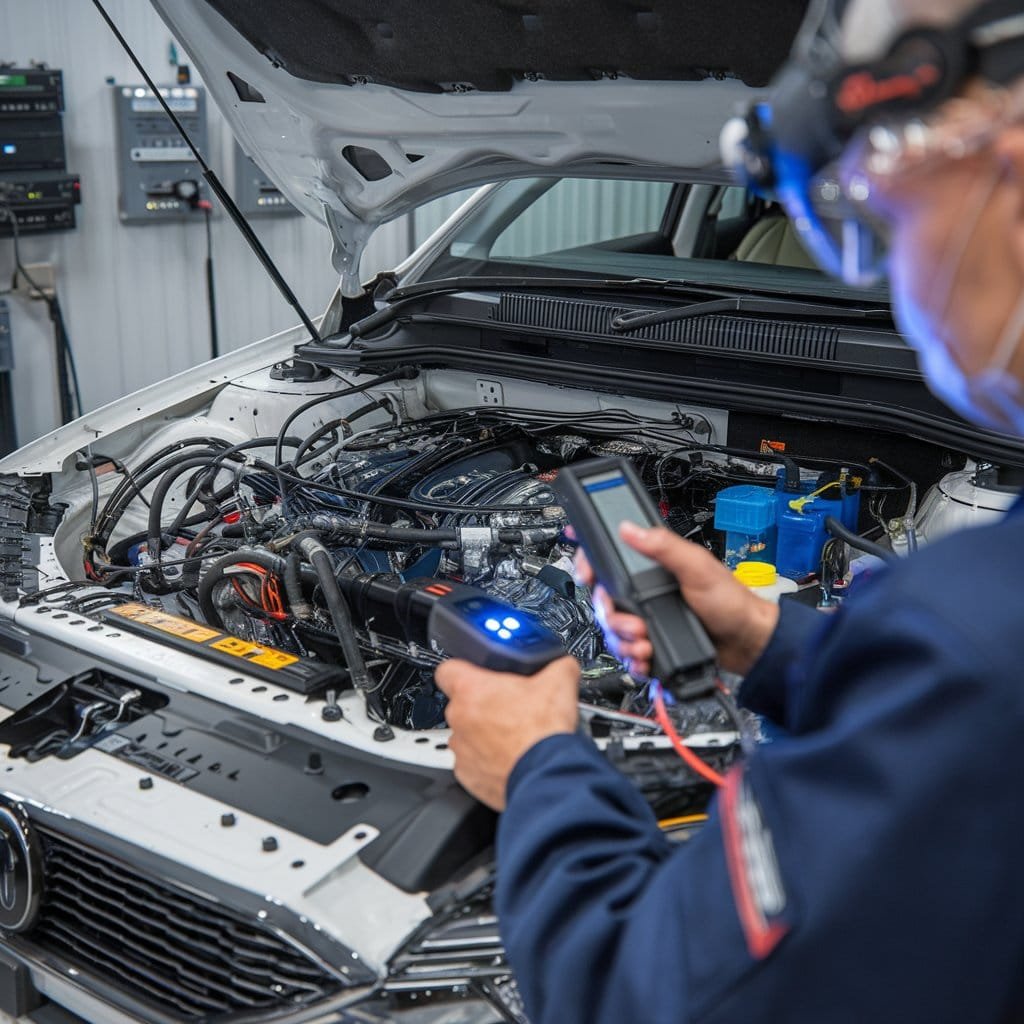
(287, 542)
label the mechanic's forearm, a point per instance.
(577, 845)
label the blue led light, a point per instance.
(493, 625)
(511, 623)
(10, 149)
(504, 634)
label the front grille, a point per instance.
(185, 954)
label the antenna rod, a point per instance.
(216, 187)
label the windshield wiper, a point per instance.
(399, 299)
(625, 322)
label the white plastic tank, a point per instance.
(762, 579)
(959, 501)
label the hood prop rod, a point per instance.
(216, 187)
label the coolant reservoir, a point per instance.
(959, 500)
(763, 580)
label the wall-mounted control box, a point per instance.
(158, 177)
(255, 193)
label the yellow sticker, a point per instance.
(172, 624)
(274, 659)
(233, 645)
(254, 654)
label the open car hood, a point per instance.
(361, 110)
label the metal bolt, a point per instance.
(146, 783)
(314, 764)
(227, 820)
(330, 711)
(269, 844)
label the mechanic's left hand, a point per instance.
(495, 717)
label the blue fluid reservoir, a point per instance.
(746, 515)
(801, 538)
(845, 506)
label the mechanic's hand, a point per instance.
(495, 717)
(739, 623)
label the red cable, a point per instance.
(661, 713)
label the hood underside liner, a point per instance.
(443, 46)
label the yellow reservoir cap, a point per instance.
(756, 574)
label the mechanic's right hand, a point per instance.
(739, 623)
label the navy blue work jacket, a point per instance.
(866, 868)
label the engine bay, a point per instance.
(404, 492)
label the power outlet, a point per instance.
(43, 277)
(490, 392)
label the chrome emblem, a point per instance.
(20, 871)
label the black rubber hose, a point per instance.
(341, 617)
(152, 468)
(341, 421)
(297, 602)
(156, 507)
(403, 373)
(855, 540)
(331, 524)
(215, 574)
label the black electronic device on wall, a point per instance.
(41, 200)
(34, 181)
(31, 92)
(159, 177)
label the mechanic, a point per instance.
(866, 866)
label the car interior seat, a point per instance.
(774, 240)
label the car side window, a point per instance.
(578, 212)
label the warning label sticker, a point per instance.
(233, 645)
(186, 629)
(768, 447)
(279, 667)
(270, 658)
(172, 624)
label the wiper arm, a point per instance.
(742, 304)
(401, 298)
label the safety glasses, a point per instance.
(842, 213)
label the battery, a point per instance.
(301, 675)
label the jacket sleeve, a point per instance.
(767, 686)
(829, 883)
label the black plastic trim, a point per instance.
(839, 392)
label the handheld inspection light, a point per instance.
(456, 620)
(598, 495)
(789, 148)
(491, 634)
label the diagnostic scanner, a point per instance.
(467, 623)
(598, 496)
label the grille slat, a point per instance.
(190, 956)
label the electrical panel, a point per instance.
(255, 193)
(34, 181)
(159, 178)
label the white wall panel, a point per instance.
(134, 296)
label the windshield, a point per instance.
(704, 232)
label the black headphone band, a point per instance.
(926, 66)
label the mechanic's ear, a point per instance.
(1010, 149)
